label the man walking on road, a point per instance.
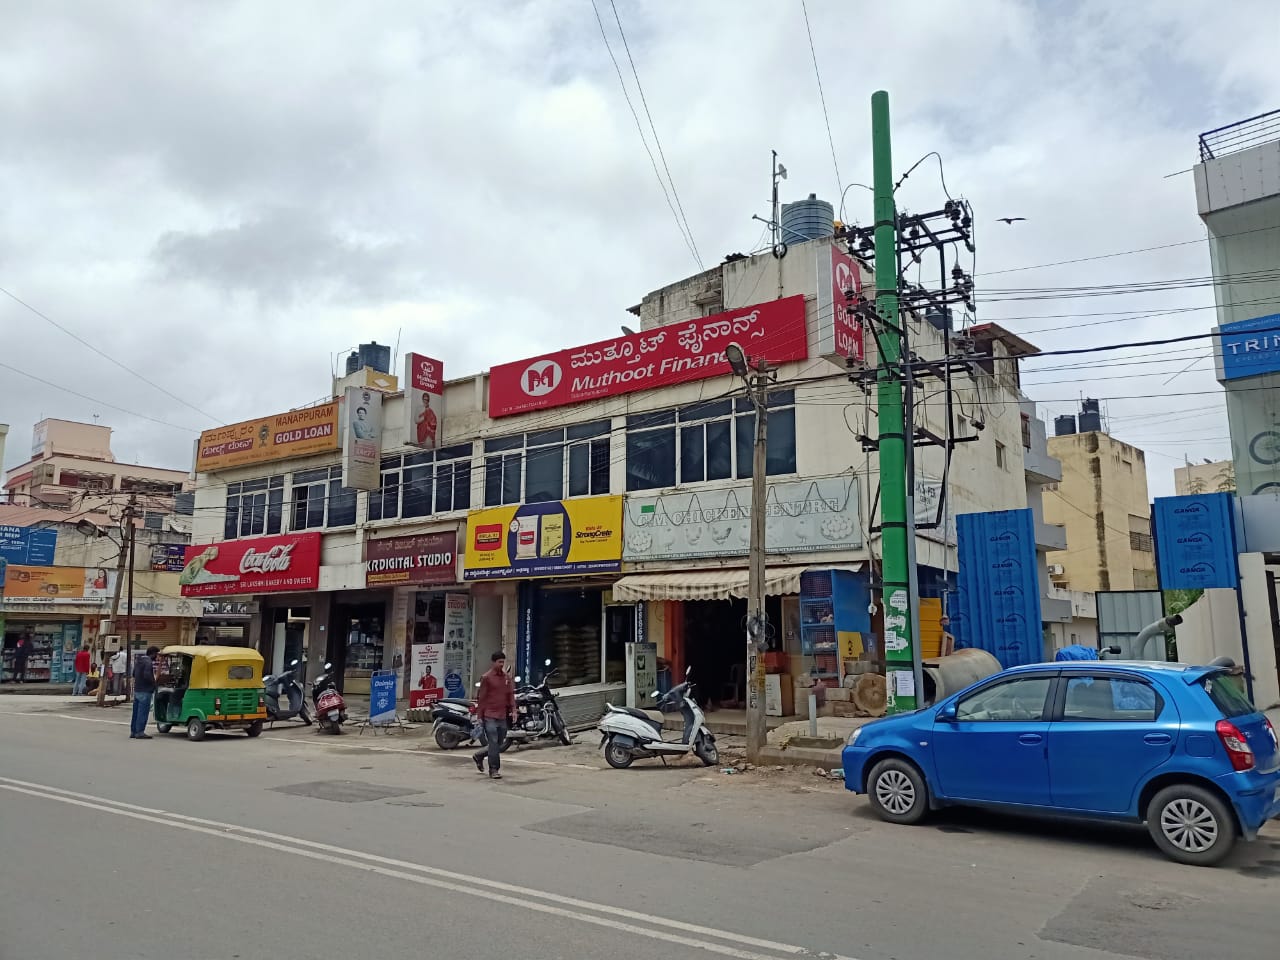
(144, 688)
(495, 704)
(82, 667)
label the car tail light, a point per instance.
(262, 701)
(217, 704)
(1237, 747)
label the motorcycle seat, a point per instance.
(652, 717)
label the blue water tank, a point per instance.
(809, 219)
(375, 355)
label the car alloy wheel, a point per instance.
(1189, 825)
(896, 792)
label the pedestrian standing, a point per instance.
(82, 666)
(20, 654)
(119, 667)
(495, 706)
(144, 688)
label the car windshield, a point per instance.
(1227, 695)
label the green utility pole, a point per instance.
(894, 440)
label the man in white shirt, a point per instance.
(119, 667)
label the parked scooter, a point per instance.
(456, 725)
(538, 713)
(331, 709)
(628, 734)
(285, 686)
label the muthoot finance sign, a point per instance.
(675, 353)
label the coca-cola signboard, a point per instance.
(675, 353)
(258, 565)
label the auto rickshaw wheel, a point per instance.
(164, 727)
(195, 729)
(254, 728)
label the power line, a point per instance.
(85, 396)
(127, 369)
(688, 240)
(823, 98)
(653, 128)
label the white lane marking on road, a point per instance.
(430, 876)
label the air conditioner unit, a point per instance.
(1057, 570)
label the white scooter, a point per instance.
(627, 734)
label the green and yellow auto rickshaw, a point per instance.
(209, 688)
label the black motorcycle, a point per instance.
(538, 713)
(285, 686)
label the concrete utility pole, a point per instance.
(126, 530)
(896, 439)
(128, 655)
(757, 375)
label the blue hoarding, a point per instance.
(1250, 347)
(1195, 542)
(1000, 586)
(382, 696)
(28, 545)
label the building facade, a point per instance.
(579, 503)
(1102, 502)
(1212, 476)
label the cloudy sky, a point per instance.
(224, 196)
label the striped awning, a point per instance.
(711, 584)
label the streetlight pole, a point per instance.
(757, 375)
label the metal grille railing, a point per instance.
(1240, 135)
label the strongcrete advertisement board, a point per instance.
(675, 353)
(553, 539)
(257, 565)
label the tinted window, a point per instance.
(1109, 698)
(1227, 695)
(1012, 700)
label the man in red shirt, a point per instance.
(495, 705)
(82, 666)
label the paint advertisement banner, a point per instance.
(676, 353)
(804, 516)
(458, 644)
(1249, 348)
(382, 697)
(298, 433)
(840, 332)
(1195, 541)
(426, 667)
(256, 565)
(424, 400)
(362, 439)
(28, 545)
(427, 558)
(58, 584)
(544, 539)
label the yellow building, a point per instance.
(1102, 501)
(1212, 476)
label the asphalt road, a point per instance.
(296, 845)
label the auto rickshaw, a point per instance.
(209, 688)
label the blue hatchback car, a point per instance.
(1179, 747)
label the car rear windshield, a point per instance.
(1227, 695)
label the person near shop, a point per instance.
(119, 666)
(20, 654)
(83, 663)
(144, 689)
(495, 706)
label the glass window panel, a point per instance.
(493, 481)
(579, 469)
(418, 459)
(745, 438)
(693, 467)
(342, 505)
(544, 438)
(582, 431)
(455, 452)
(462, 485)
(315, 506)
(600, 466)
(719, 450)
(642, 421)
(651, 459)
(706, 410)
(231, 523)
(275, 509)
(511, 485)
(416, 493)
(298, 520)
(310, 476)
(260, 484)
(504, 443)
(782, 442)
(544, 474)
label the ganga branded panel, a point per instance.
(544, 539)
(675, 353)
(257, 565)
(298, 433)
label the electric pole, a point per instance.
(899, 625)
(128, 656)
(757, 375)
(126, 530)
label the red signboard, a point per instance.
(845, 276)
(426, 558)
(671, 354)
(258, 565)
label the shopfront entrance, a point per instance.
(53, 645)
(357, 638)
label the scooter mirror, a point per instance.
(656, 693)
(328, 666)
(518, 678)
(546, 662)
(294, 663)
(688, 670)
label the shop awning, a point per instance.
(711, 584)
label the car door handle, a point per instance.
(1031, 739)
(1157, 738)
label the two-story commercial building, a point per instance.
(563, 506)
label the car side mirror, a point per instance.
(946, 713)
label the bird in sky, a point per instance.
(1011, 220)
